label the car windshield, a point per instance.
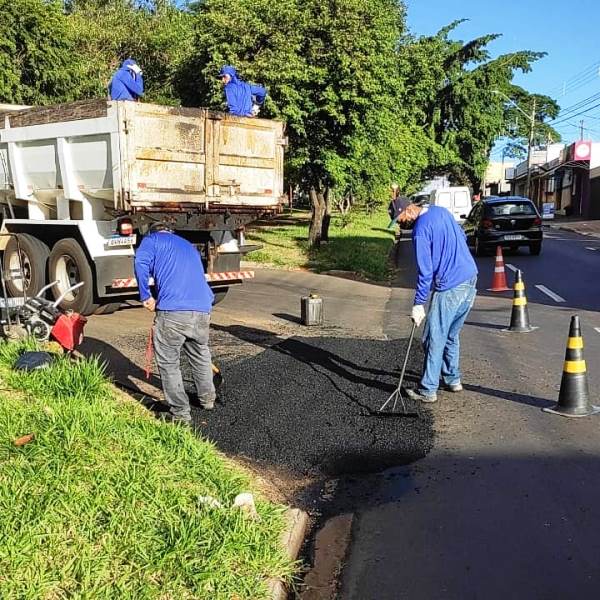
(506, 209)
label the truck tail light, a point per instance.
(125, 227)
(537, 221)
(487, 224)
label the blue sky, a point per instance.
(569, 31)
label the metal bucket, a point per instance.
(311, 310)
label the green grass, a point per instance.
(104, 502)
(361, 244)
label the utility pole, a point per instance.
(582, 130)
(529, 148)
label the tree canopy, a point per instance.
(366, 102)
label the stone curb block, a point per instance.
(292, 540)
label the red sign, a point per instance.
(582, 150)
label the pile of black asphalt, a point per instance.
(309, 404)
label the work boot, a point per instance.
(419, 396)
(168, 417)
(453, 387)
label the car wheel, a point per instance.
(68, 265)
(535, 248)
(33, 261)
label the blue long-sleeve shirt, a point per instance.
(125, 84)
(442, 254)
(239, 94)
(178, 273)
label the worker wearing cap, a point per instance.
(447, 271)
(243, 99)
(183, 305)
(128, 82)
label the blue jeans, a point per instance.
(447, 314)
(175, 331)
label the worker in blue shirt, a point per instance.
(128, 82)
(183, 302)
(243, 99)
(446, 267)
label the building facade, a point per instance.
(564, 179)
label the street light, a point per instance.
(531, 132)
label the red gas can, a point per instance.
(68, 330)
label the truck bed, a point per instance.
(88, 159)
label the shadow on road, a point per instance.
(482, 526)
(512, 396)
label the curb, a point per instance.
(586, 233)
(292, 540)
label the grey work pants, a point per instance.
(175, 331)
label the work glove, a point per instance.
(135, 68)
(255, 110)
(418, 314)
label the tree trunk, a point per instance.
(327, 215)
(315, 229)
(344, 204)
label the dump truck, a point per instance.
(80, 183)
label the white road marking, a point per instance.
(550, 293)
(511, 267)
(597, 329)
(592, 249)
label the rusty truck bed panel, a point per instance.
(104, 155)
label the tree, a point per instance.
(330, 68)
(156, 34)
(453, 84)
(39, 63)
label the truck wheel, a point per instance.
(107, 309)
(220, 294)
(34, 259)
(69, 265)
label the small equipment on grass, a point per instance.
(37, 316)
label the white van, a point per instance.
(456, 199)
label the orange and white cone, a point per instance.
(499, 280)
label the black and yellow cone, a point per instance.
(574, 396)
(519, 318)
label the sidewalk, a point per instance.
(591, 228)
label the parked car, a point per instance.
(509, 221)
(456, 199)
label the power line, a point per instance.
(590, 71)
(583, 112)
(567, 112)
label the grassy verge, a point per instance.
(105, 502)
(361, 245)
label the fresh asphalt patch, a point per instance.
(307, 404)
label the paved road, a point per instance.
(505, 505)
(295, 399)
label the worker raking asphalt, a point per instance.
(305, 403)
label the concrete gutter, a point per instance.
(573, 229)
(292, 540)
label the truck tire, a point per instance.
(107, 309)
(220, 294)
(34, 257)
(69, 265)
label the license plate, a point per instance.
(510, 238)
(122, 240)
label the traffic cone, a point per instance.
(519, 318)
(574, 396)
(499, 280)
